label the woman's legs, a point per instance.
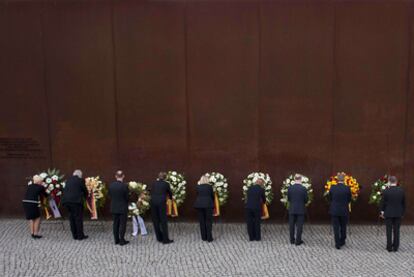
(31, 226)
(36, 226)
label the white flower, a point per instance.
(383, 187)
(57, 186)
(63, 185)
(283, 200)
(59, 193)
(225, 185)
(174, 173)
(378, 193)
(306, 179)
(244, 187)
(292, 183)
(48, 180)
(374, 197)
(144, 187)
(55, 178)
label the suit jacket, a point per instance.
(159, 191)
(393, 202)
(75, 191)
(297, 197)
(119, 194)
(340, 197)
(205, 196)
(255, 197)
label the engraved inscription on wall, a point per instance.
(20, 148)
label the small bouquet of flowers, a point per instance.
(251, 180)
(306, 182)
(220, 188)
(54, 183)
(96, 195)
(350, 181)
(142, 204)
(178, 189)
(377, 189)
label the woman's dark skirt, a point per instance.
(31, 210)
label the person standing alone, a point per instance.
(74, 194)
(159, 191)
(392, 209)
(297, 199)
(119, 194)
(204, 204)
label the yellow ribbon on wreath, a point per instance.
(172, 209)
(216, 211)
(265, 211)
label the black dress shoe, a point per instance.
(292, 242)
(395, 249)
(122, 243)
(37, 236)
(338, 247)
(168, 241)
(210, 240)
(82, 238)
(299, 243)
(116, 242)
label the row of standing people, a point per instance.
(392, 208)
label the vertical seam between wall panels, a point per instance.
(186, 92)
(45, 80)
(334, 83)
(408, 88)
(259, 72)
(115, 85)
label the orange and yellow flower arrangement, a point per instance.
(350, 181)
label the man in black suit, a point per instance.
(340, 197)
(119, 194)
(392, 209)
(74, 193)
(255, 199)
(297, 199)
(159, 191)
(204, 204)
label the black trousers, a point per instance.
(339, 227)
(160, 221)
(205, 217)
(296, 222)
(253, 219)
(393, 232)
(75, 219)
(119, 227)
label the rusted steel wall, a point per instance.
(232, 86)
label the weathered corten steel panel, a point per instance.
(372, 43)
(295, 111)
(222, 78)
(23, 116)
(80, 85)
(232, 86)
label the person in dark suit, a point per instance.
(255, 199)
(297, 199)
(119, 193)
(392, 209)
(31, 204)
(204, 204)
(74, 194)
(159, 191)
(340, 197)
